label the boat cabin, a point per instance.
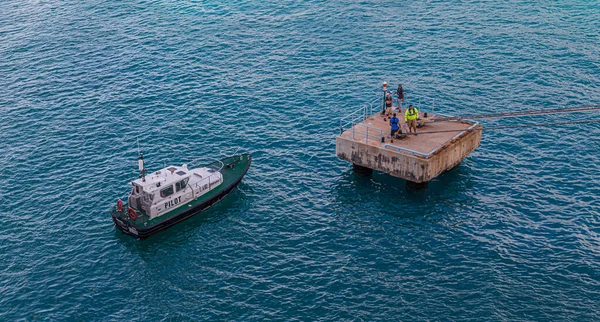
(172, 187)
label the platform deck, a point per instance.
(416, 158)
(424, 143)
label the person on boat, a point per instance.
(400, 93)
(394, 121)
(410, 117)
(388, 104)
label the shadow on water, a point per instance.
(183, 233)
(388, 195)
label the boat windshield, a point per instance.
(181, 184)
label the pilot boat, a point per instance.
(175, 193)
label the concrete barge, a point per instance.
(439, 145)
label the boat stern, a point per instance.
(124, 225)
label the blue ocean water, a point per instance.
(512, 234)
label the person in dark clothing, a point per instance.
(400, 93)
(394, 121)
(388, 104)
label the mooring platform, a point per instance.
(439, 145)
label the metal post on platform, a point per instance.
(384, 92)
(367, 136)
(432, 106)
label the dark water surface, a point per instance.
(512, 234)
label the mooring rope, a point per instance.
(502, 127)
(574, 109)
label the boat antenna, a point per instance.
(141, 162)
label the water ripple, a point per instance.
(513, 233)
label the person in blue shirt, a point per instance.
(394, 121)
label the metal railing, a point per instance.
(432, 152)
(353, 118)
(354, 121)
(474, 124)
(217, 166)
(225, 152)
(412, 152)
(418, 101)
(370, 132)
(378, 103)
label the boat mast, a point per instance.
(141, 163)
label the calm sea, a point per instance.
(512, 234)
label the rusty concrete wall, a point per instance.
(396, 164)
(452, 154)
(403, 165)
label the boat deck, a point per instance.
(230, 175)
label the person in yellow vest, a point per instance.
(410, 117)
